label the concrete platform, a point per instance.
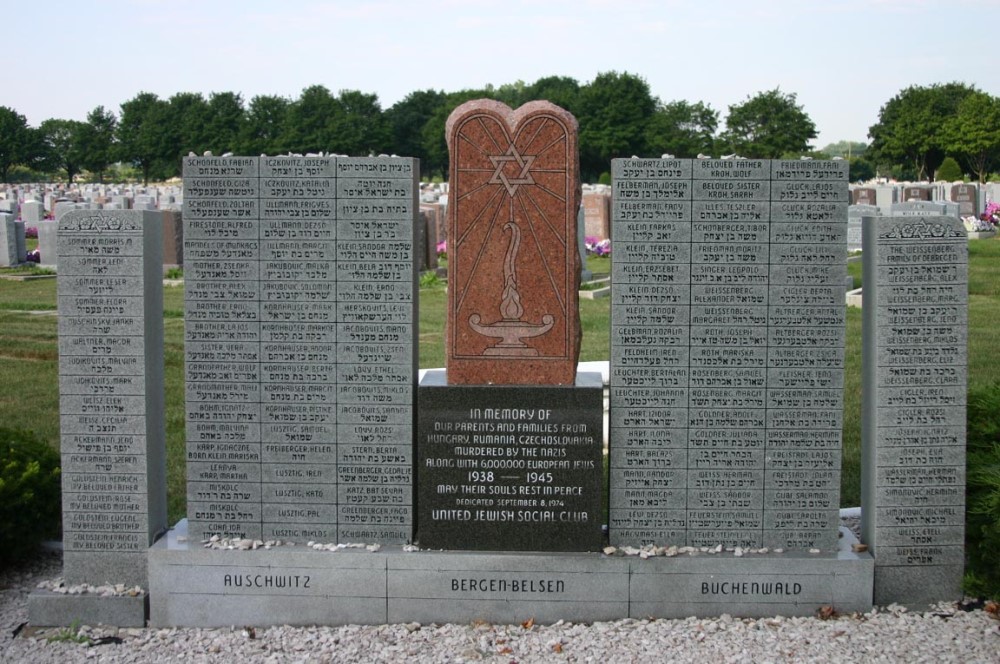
(50, 609)
(193, 586)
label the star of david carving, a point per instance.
(511, 184)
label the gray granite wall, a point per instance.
(915, 365)
(111, 400)
(727, 352)
(300, 341)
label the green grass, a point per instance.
(29, 361)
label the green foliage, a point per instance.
(604, 178)
(973, 132)
(61, 143)
(147, 134)
(682, 129)
(949, 170)
(613, 112)
(174, 273)
(430, 279)
(861, 169)
(29, 493)
(982, 529)
(406, 122)
(767, 126)
(15, 141)
(71, 634)
(266, 118)
(97, 141)
(846, 149)
(910, 127)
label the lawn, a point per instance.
(29, 380)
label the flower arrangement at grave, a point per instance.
(31, 232)
(598, 247)
(987, 221)
(442, 249)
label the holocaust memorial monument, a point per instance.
(329, 483)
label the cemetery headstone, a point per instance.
(914, 395)
(727, 352)
(509, 440)
(8, 241)
(300, 341)
(597, 214)
(22, 244)
(967, 197)
(855, 213)
(111, 407)
(47, 247)
(173, 238)
(863, 196)
(917, 209)
(917, 193)
(32, 212)
(885, 196)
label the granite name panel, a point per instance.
(727, 352)
(300, 340)
(510, 468)
(111, 398)
(913, 435)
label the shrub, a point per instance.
(982, 493)
(604, 178)
(30, 505)
(949, 170)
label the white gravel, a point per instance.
(949, 634)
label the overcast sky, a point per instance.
(842, 58)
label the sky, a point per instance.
(843, 59)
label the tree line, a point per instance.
(618, 116)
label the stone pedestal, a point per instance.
(510, 468)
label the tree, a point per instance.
(846, 149)
(307, 127)
(16, 141)
(407, 118)
(224, 119)
(767, 126)
(949, 170)
(144, 134)
(613, 112)
(62, 146)
(909, 129)
(97, 138)
(682, 129)
(264, 125)
(973, 133)
(432, 137)
(358, 127)
(563, 91)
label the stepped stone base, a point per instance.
(193, 586)
(49, 609)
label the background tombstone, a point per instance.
(173, 238)
(47, 246)
(112, 411)
(863, 196)
(32, 212)
(967, 197)
(22, 245)
(917, 209)
(914, 394)
(855, 213)
(509, 442)
(597, 214)
(8, 241)
(917, 193)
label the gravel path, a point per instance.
(950, 634)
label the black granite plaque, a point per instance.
(510, 468)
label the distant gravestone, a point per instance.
(863, 196)
(8, 241)
(173, 238)
(22, 244)
(855, 213)
(914, 396)
(917, 193)
(885, 196)
(32, 212)
(513, 266)
(967, 197)
(111, 411)
(727, 352)
(47, 247)
(917, 209)
(597, 215)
